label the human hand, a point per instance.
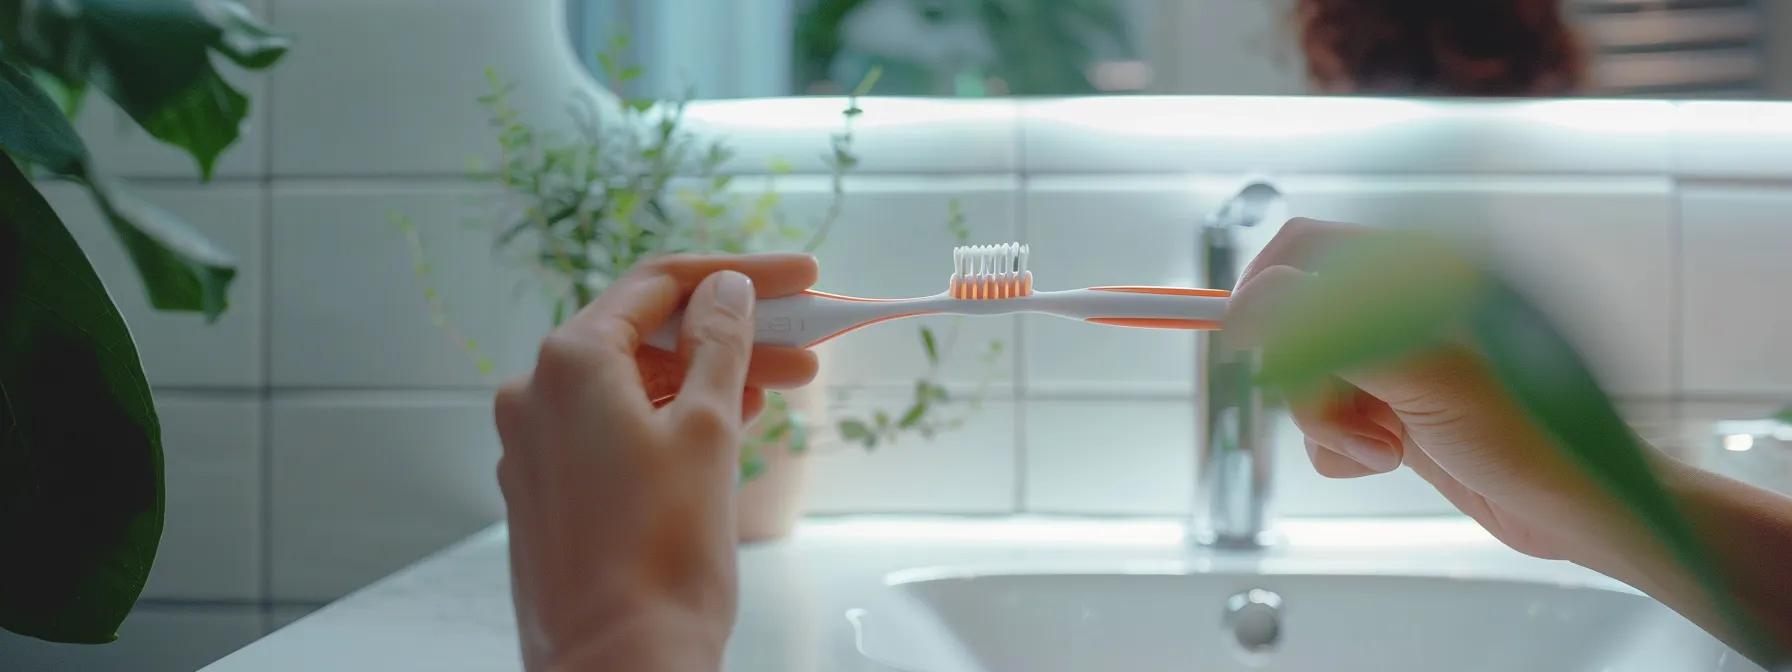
(1440, 411)
(620, 464)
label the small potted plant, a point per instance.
(634, 183)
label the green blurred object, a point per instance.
(965, 48)
(81, 491)
(1383, 295)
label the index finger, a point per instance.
(643, 299)
(1300, 244)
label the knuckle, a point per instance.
(506, 474)
(722, 330)
(508, 409)
(709, 423)
(561, 362)
(560, 351)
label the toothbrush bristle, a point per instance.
(987, 272)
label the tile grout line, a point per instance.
(1021, 380)
(267, 346)
(1677, 313)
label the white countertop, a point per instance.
(452, 611)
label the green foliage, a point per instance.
(931, 410)
(80, 445)
(80, 449)
(152, 57)
(633, 183)
(1038, 47)
(1388, 295)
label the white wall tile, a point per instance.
(967, 470)
(1766, 464)
(1595, 253)
(211, 538)
(1115, 230)
(366, 484)
(390, 87)
(155, 638)
(1734, 240)
(893, 135)
(1724, 139)
(121, 148)
(284, 615)
(1220, 134)
(892, 241)
(350, 312)
(180, 348)
(1110, 456)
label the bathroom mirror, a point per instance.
(1726, 49)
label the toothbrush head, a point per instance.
(986, 272)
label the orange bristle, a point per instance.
(990, 272)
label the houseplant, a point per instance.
(81, 498)
(633, 183)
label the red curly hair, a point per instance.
(1440, 47)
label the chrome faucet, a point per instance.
(1233, 450)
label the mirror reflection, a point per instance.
(978, 48)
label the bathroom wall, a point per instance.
(325, 432)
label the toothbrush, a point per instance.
(986, 280)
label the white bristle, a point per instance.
(989, 261)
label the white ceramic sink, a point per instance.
(946, 620)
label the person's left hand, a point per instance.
(620, 464)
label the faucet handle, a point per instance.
(1248, 207)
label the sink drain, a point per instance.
(1254, 617)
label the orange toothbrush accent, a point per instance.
(1156, 323)
(1170, 291)
(842, 297)
(861, 325)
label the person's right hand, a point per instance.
(1440, 412)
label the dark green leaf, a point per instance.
(857, 431)
(1384, 296)
(1785, 415)
(68, 96)
(243, 38)
(181, 270)
(913, 416)
(152, 57)
(1553, 384)
(930, 346)
(204, 119)
(1347, 317)
(81, 496)
(33, 128)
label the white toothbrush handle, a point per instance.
(1133, 306)
(806, 319)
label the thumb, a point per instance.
(717, 342)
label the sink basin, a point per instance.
(945, 620)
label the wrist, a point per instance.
(654, 637)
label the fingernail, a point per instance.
(1371, 453)
(734, 291)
